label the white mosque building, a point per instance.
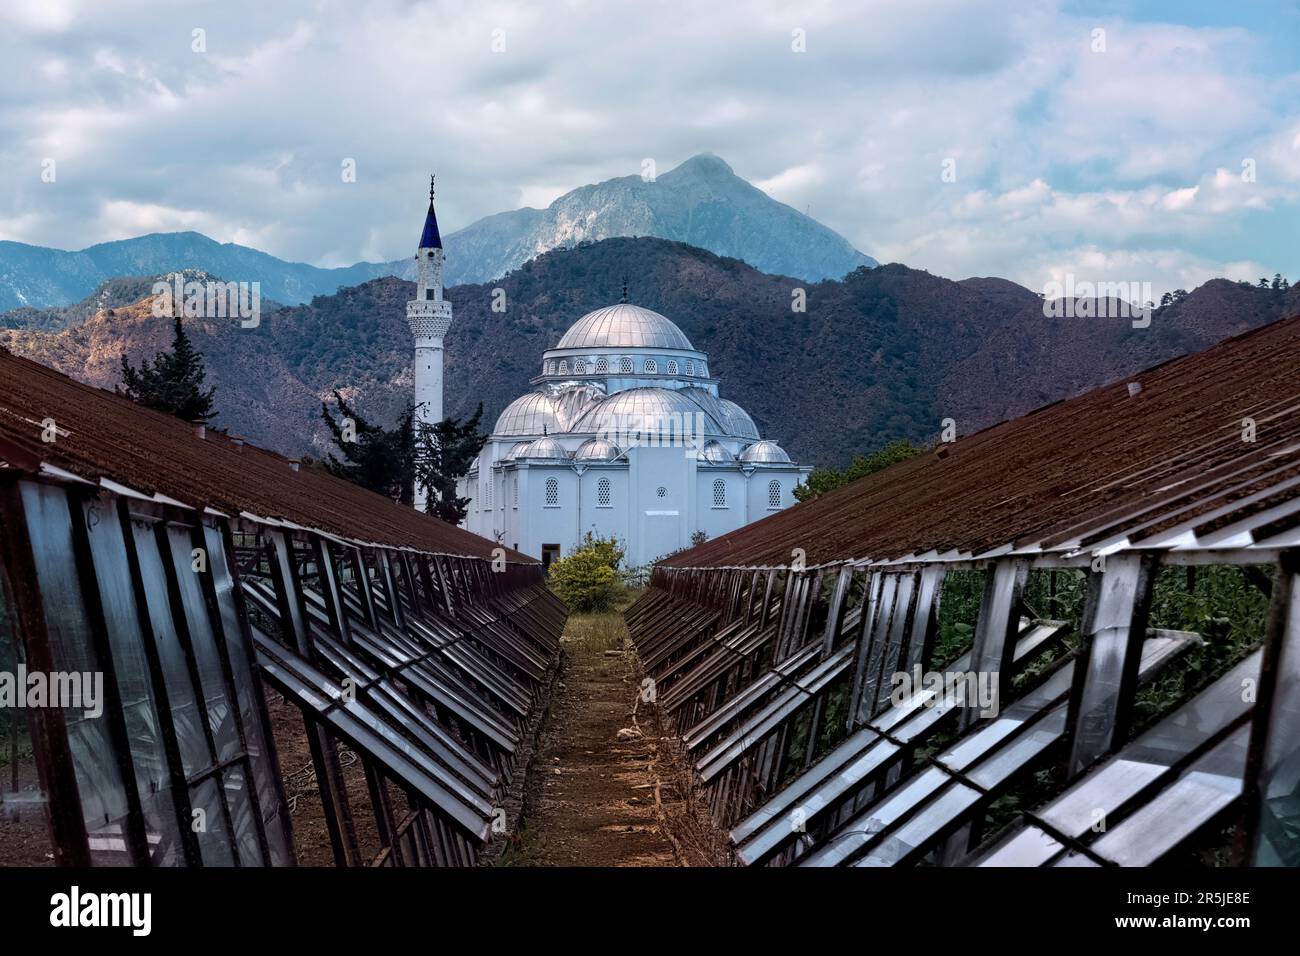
(624, 436)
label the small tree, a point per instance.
(374, 457)
(587, 579)
(172, 382)
(443, 454)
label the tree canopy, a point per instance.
(443, 454)
(396, 461)
(374, 457)
(172, 382)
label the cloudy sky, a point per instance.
(1140, 141)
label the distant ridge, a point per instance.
(885, 353)
(701, 202)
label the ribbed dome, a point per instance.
(531, 414)
(597, 449)
(765, 452)
(516, 450)
(664, 412)
(738, 421)
(624, 326)
(715, 452)
(547, 448)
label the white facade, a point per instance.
(429, 316)
(625, 436)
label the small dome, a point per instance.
(663, 412)
(715, 452)
(738, 421)
(516, 450)
(531, 414)
(544, 448)
(624, 326)
(597, 449)
(765, 452)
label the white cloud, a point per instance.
(1059, 152)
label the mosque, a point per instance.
(624, 434)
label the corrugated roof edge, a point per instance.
(156, 454)
(745, 541)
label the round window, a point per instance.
(662, 491)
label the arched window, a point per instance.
(579, 367)
(602, 493)
(553, 492)
(690, 367)
(651, 366)
(602, 366)
(564, 366)
(719, 493)
(550, 367)
(672, 367)
(625, 365)
(774, 494)
(515, 489)
(704, 372)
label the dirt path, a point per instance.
(591, 799)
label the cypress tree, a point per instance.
(172, 382)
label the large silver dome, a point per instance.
(624, 326)
(662, 412)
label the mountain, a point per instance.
(701, 202)
(112, 294)
(39, 277)
(885, 353)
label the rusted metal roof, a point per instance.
(100, 436)
(1160, 460)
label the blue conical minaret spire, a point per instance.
(430, 239)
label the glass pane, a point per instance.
(210, 825)
(195, 756)
(203, 643)
(241, 813)
(24, 824)
(103, 797)
(268, 794)
(152, 774)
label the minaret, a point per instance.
(429, 316)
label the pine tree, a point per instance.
(374, 457)
(443, 454)
(172, 382)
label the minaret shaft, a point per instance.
(429, 316)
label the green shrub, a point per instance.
(587, 579)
